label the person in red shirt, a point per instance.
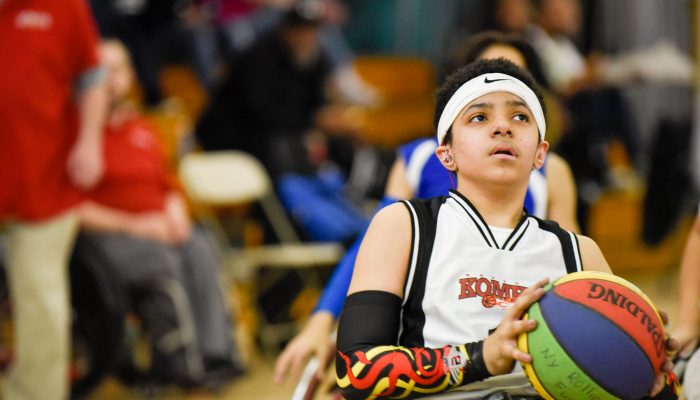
(52, 106)
(138, 218)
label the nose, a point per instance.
(502, 127)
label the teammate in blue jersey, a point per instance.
(417, 173)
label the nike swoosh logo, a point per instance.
(487, 80)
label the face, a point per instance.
(504, 51)
(561, 16)
(513, 15)
(303, 41)
(495, 139)
(119, 73)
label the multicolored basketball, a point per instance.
(597, 337)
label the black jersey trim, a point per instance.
(415, 239)
(572, 262)
(517, 240)
(519, 230)
(426, 213)
(483, 227)
(577, 249)
(473, 213)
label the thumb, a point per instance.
(324, 358)
(280, 367)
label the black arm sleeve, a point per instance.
(368, 364)
(369, 318)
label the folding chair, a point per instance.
(228, 178)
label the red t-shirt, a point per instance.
(136, 177)
(45, 45)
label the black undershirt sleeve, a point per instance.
(369, 364)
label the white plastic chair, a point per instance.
(229, 178)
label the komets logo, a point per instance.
(492, 292)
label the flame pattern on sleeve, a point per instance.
(398, 372)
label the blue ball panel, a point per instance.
(600, 348)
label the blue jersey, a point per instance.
(428, 178)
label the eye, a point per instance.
(521, 117)
(478, 118)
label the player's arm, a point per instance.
(370, 365)
(383, 256)
(333, 298)
(313, 337)
(687, 331)
(562, 199)
(592, 258)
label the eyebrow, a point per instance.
(516, 103)
(477, 105)
(511, 103)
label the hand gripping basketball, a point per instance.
(597, 336)
(500, 348)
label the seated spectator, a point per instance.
(139, 219)
(153, 33)
(273, 105)
(597, 111)
(508, 16)
(222, 29)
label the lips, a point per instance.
(504, 150)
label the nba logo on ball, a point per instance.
(597, 337)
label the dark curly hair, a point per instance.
(477, 68)
(470, 49)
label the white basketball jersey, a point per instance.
(473, 273)
(464, 275)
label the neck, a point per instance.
(501, 207)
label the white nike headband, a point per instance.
(485, 84)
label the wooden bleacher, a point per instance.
(407, 87)
(616, 225)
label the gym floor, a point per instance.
(256, 384)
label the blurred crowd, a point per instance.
(279, 80)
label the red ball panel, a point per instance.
(625, 307)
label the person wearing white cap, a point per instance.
(439, 285)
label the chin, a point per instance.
(507, 177)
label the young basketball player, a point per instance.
(416, 320)
(417, 173)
